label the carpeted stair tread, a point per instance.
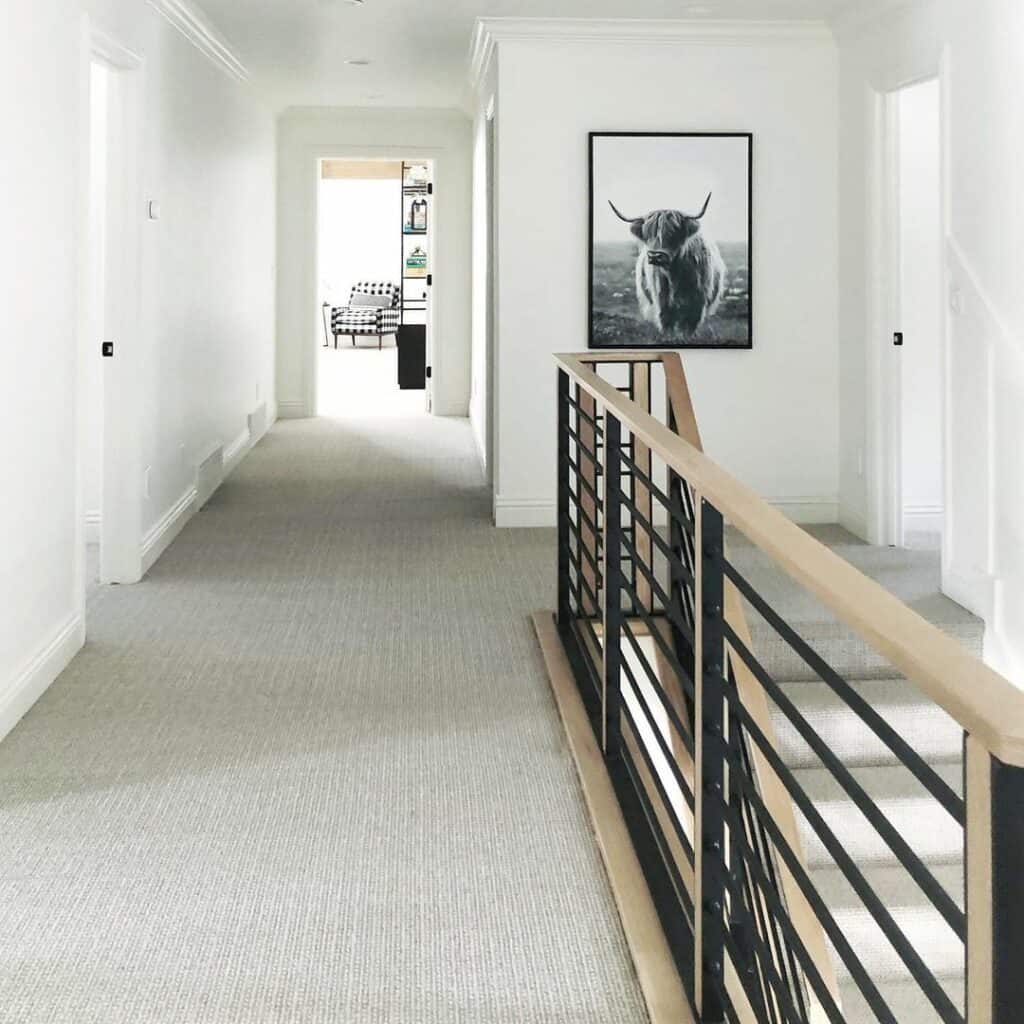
(939, 948)
(929, 830)
(924, 725)
(891, 882)
(904, 997)
(912, 576)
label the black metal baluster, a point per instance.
(564, 497)
(612, 586)
(1007, 893)
(712, 603)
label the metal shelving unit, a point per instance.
(414, 302)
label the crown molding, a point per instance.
(195, 26)
(489, 32)
(865, 16)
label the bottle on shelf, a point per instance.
(416, 263)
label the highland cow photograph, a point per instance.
(670, 249)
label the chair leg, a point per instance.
(380, 342)
(353, 341)
(335, 342)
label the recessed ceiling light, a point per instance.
(357, 62)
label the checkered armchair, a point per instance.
(372, 310)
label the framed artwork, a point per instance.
(671, 219)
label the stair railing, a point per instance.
(652, 616)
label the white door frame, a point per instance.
(884, 376)
(121, 503)
(432, 155)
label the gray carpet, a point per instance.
(310, 770)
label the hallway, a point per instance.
(300, 774)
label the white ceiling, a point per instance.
(296, 49)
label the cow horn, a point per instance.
(704, 209)
(628, 220)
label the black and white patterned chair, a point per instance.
(372, 310)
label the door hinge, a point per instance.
(430, 280)
(430, 372)
(897, 339)
(430, 188)
(107, 349)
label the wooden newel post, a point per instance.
(995, 887)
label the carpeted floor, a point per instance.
(310, 770)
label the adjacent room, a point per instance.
(374, 235)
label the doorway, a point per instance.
(917, 509)
(375, 225)
(107, 420)
(100, 75)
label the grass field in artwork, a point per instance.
(616, 316)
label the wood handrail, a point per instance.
(985, 704)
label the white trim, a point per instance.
(194, 25)
(120, 525)
(645, 31)
(864, 16)
(807, 511)
(209, 474)
(108, 49)
(292, 410)
(235, 452)
(976, 591)
(39, 672)
(480, 444)
(855, 522)
(524, 514)
(540, 513)
(159, 538)
(489, 32)
(93, 527)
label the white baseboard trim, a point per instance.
(927, 518)
(39, 672)
(236, 451)
(807, 511)
(853, 521)
(976, 591)
(536, 513)
(480, 445)
(93, 527)
(519, 514)
(292, 411)
(159, 538)
(209, 474)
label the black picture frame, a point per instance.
(608, 330)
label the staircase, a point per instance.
(931, 832)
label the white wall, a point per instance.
(204, 349)
(921, 298)
(481, 397)
(986, 340)
(304, 135)
(769, 415)
(979, 46)
(360, 240)
(40, 624)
